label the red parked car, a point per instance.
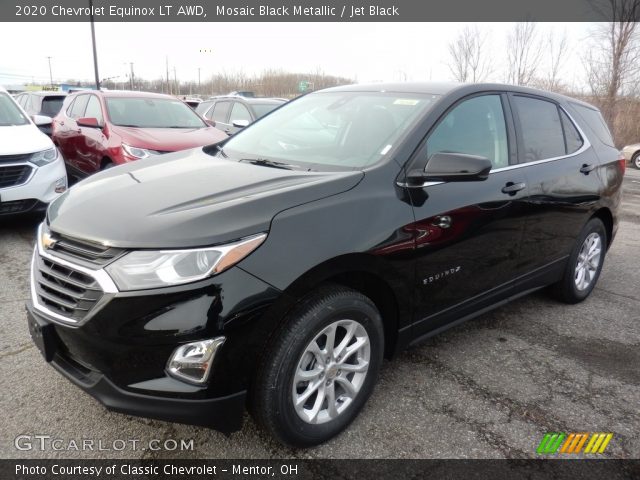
(99, 129)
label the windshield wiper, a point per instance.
(267, 163)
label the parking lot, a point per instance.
(488, 389)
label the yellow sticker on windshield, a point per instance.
(406, 101)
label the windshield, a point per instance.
(152, 113)
(333, 129)
(262, 109)
(10, 114)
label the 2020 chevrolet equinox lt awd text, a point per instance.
(276, 269)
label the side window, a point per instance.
(220, 112)
(475, 127)
(239, 112)
(77, 110)
(541, 129)
(22, 99)
(93, 109)
(572, 137)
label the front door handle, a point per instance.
(513, 188)
(586, 168)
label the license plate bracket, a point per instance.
(44, 336)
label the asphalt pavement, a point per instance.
(490, 388)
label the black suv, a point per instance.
(275, 270)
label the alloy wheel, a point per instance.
(331, 371)
(588, 261)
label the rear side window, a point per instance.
(594, 119)
(541, 129)
(94, 110)
(573, 140)
(239, 112)
(220, 111)
(51, 105)
(77, 110)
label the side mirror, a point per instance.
(241, 123)
(211, 123)
(88, 122)
(42, 120)
(452, 167)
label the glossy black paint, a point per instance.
(429, 257)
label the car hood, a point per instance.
(19, 139)
(186, 199)
(169, 139)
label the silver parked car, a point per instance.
(632, 154)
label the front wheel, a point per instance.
(636, 160)
(584, 264)
(321, 369)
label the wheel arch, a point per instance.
(605, 215)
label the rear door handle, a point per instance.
(513, 188)
(586, 168)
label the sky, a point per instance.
(360, 51)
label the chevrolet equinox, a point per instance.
(276, 269)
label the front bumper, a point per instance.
(40, 189)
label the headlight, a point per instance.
(43, 158)
(143, 269)
(137, 152)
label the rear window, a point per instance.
(594, 119)
(542, 133)
(51, 105)
(262, 109)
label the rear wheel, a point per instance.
(584, 265)
(317, 376)
(636, 160)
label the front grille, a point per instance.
(12, 175)
(74, 249)
(63, 290)
(23, 157)
(17, 206)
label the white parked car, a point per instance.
(632, 154)
(32, 171)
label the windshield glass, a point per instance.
(51, 105)
(10, 114)
(152, 113)
(332, 129)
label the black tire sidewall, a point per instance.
(594, 225)
(346, 304)
(635, 160)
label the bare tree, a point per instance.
(613, 61)
(469, 60)
(524, 52)
(557, 48)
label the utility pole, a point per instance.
(93, 41)
(131, 75)
(168, 82)
(50, 74)
(198, 79)
(175, 78)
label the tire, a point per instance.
(636, 160)
(290, 356)
(575, 286)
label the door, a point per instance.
(90, 145)
(563, 179)
(220, 114)
(69, 132)
(468, 233)
(239, 112)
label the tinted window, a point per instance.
(596, 123)
(93, 109)
(51, 105)
(541, 129)
(10, 114)
(573, 139)
(77, 110)
(475, 127)
(262, 109)
(22, 99)
(220, 111)
(239, 112)
(146, 112)
(203, 107)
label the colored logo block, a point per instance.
(553, 443)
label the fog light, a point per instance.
(60, 185)
(192, 362)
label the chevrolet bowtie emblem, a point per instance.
(48, 242)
